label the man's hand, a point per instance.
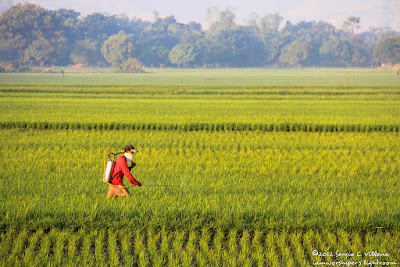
(132, 166)
(139, 184)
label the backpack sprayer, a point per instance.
(109, 168)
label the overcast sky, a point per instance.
(373, 13)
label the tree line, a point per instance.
(31, 35)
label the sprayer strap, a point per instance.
(114, 155)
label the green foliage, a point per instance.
(183, 54)
(296, 54)
(39, 36)
(387, 50)
(85, 53)
(32, 34)
(120, 48)
(40, 51)
(336, 53)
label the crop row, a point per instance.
(211, 127)
(107, 247)
(203, 89)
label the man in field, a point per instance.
(123, 166)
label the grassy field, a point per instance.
(276, 168)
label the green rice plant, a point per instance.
(319, 243)
(297, 249)
(310, 248)
(139, 250)
(356, 245)
(203, 255)
(99, 245)
(216, 249)
(6, 243)
(284, 249)
(143, 259)
(175, 255)
(385, 246)
(173, 259)
(257, 249)
(43, 256)
(190, 250)
(330, 240)
(113, 248)
(229, 255)
(32, 247)
(73, 240)
(126, 247)
(152, 242)
(18, 247)
(58, 248)
(87, 257)
(272, 257)
(165, 244)
(395, 246)
(345, 243)
(244, 258)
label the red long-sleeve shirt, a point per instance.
(121, 169)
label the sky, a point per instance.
(372, 13)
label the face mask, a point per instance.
(128, 157)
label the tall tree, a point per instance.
(269, 24)
(361, 52)
(351, 23)
(219, 35)
(269, 33)
(158, 39)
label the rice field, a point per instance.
(276, 168)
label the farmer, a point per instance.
(62, 72)
(123, 166)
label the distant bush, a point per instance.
(131, 65)
(21, 67)
(47, 70)
(7, 66)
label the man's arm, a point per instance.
(128, 175)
